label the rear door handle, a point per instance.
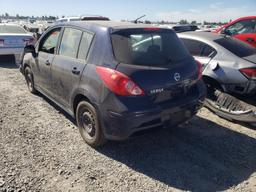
(47, 62)
(75, 71)
(250, 40)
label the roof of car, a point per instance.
(109, 24)
(9, 24)
(201, 35)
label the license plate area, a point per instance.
(171, 119)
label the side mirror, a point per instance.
(30, 49)
(226, 32)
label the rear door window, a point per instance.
(85, 45)
(70, 42)
(208, 51)
(194, 47)
(149, 47)
(198, 48)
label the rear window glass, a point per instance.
(11, 29)
(148, 47)
(237, 47)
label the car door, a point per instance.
(200, 50)
(244, 30)
(69, 63)
(46, 52)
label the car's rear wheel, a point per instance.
(29, 80)
(88, 124)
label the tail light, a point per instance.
(152, 29)
(250, 73)
(119, 83)
(199, 69)
(29, 40)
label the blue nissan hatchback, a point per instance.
(115, 78)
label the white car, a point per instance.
(67, 19)
(13, 39)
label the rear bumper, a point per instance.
(120, 126)
(17, 52)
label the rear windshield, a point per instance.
(237, 47)
(11, 29)
(149, 47)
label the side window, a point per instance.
(208, 51)
(85, 45)
(50, 41)
(197, 48)
(245, 26)
(70, 42)
(193, 46)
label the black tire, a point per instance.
(88, 124)
(29, 80)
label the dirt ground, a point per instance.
(41, 150)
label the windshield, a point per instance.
(237, 47)
(11, 29)
(149, 47)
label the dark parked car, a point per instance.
(184, 28)
(94, 71)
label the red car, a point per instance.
(243, 28)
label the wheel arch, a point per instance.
(77, 99)
(212, 81)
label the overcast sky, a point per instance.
(171, 10)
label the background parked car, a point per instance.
(184, 28)
(229, 65)
(243, 28)
(114, 89)
(13, 39)
(227, 61)
(83, 18)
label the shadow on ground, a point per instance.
(201, 156)
(7, 61)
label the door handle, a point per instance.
(47, 62)
(75, 71)
(250, 40)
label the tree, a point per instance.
(147, 22)
(183, 21)
(193, 22)
(6, 15)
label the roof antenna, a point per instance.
(136, 20)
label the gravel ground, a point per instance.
(41, 150)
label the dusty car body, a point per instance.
(114, 78)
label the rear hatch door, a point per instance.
(156, 60)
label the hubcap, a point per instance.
(88, 123)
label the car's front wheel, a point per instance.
(29, 80)
(88, 124)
